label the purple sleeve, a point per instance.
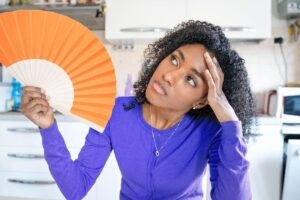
(228, 165)
(75, 178)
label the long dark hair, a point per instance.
(236, 85)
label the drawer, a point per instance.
(33, 186)
(25, 133)
(29, 185)
(26, 159)
(19, 133)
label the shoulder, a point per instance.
(124, 106)
(125, 103)
(126, 111)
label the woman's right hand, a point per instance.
(35, 106)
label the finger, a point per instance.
(32, 88)
(210, 82)
(219, 71)
(28, 95)
(38, 109)
(27, 108)
(37, 101)
(211, 67)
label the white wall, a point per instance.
(263, 60)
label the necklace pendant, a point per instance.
(157, 153)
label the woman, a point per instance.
(192, 106)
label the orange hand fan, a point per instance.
(60, 55)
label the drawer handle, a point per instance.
(144, 29)
(25, 155)
(23, 130)
(255, 135)
(236, 29)
(31, 182)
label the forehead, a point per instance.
(194, 49)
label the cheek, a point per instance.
(190, 95)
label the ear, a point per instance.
(200, 104)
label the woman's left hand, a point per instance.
(215, 96)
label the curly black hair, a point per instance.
(236, 85)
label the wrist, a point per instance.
(224, 112)
(48, 125)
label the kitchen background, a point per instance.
(266, 67)
(264, 61)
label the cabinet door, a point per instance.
(74, 133)
(19, 133)
(240, 19)
(265, 155)
(28, 185)
(142, 19)
(32, 186)
(109, 181)
(292, 177)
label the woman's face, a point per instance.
(179, 82)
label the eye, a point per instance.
(174, 60)
(191, 81)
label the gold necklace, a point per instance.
(157, 150)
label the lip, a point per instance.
(159, 88)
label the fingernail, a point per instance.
(47, 97)
(43, 91)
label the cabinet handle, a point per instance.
(23, 130)
(31, 182)
(25, 155)
(297, 152)
(144, 29)
(238, 28)
(255, 135)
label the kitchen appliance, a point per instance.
(289, 8)
(90, 15)
(288, 105)
(270, 103)
(288, 111)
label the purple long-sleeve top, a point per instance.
(175, 174)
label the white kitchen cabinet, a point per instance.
(292, 177)
(133, 21)
(24, 173)
(137, 20)
(247, 19)
(265, 153)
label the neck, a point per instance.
(160, 118)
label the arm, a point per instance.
(228, 165)
(75, 178)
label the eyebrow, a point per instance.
(200, 75)
(196, 72)
(180, 54)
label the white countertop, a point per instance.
(11, 116)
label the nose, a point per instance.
(171, 77)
